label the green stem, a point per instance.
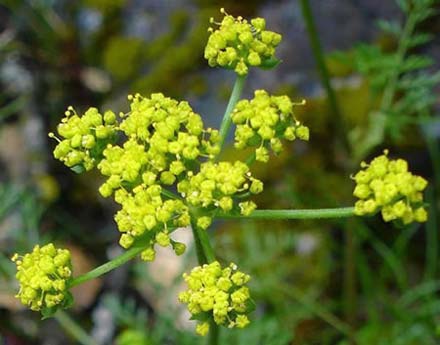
(350, 278)
(73, 328)
(108, 266)
(213, 333)
(432, 250)
(205, 255)
(425, 120)
(235, 96)
(341, 212)
(251, 159)
(201, 258)
(337, 126)
(337, 123)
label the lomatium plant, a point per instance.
(162, 166)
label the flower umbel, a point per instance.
(84, 138)
(215, 186)
(165, 137)
(263, 121)
(145, 211)
(238, 44)
(44, 276)
(388, 186)
(217, 294)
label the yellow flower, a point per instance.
(387, 186)
(263, 121)
(218, 293)
(238, 44)
(44, 276)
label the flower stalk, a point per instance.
(341, 212)
(108, 266)
(235, 96)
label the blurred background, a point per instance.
(370, 75)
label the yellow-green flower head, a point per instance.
(122, 165)
(84, 137)
(44, 276)
(168, 127)
(219, 294)
(263, 121)
(238, 44)
(216, 185)
(388, 186)
(165, 137)
(144, 211)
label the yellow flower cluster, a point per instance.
(85, 137)
(388, 186)
(238, 44)
(44, 276)
(165, 137)
(144, 210)
(215, 186)
(166, 147)
(263, 121)
(217, 294)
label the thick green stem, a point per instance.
(213, 333)
(341, 212)
(201, 258)
(235, 96)
(205, 255)
(108, 266)
(337, 123)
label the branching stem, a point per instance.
(235, 96)
(342, 212)
(108, 266)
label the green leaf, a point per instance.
(48, 312)
(250, 305)
(391, 27)
(270, 63)
(68, 300)
(200, 316)
(79, 169)
(419, 80)
(425, 13)
(415, 62)
(419, 39)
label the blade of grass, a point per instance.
(317, 309)
(431, 239)
(387, 255)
